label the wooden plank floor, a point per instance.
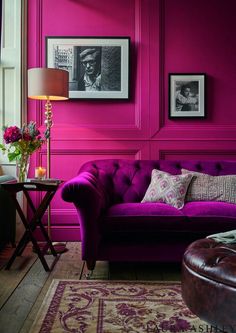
(24, 286)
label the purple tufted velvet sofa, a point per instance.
(115, 226)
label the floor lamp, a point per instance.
(49, 84)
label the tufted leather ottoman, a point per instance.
(209, 282)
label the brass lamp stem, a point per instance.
(48, 123)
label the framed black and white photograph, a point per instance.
(98, 66)
(187, 95)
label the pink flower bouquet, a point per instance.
(20, 143)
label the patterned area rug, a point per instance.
(115, 306)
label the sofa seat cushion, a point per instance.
(136, 217)
(200, 217)
(210, 216)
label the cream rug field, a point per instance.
(94, 306)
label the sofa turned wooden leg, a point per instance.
(90, 264)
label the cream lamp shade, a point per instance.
(48, 84)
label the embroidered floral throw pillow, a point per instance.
(205, 187)
(167, 188)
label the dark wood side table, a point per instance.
(30, 225)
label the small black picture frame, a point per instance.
(187, 95)
(98, 66)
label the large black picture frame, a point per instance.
(98, 66)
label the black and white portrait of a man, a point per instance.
(98, 67)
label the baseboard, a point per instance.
(61, 234)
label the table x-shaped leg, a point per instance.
(31, 225)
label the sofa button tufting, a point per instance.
(218, 166)
(128, 181)
(137, 166)
(198, 167)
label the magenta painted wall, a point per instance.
(166, 36)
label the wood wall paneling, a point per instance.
(139, 128)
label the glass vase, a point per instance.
(22, 168)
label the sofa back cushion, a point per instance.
(167, 188)
(127, 180)
(204, 187)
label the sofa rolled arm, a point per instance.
(82, 189)
(89, 198)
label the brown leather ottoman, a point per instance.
(209, 282)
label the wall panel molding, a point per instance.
(171, 48)
(139, 104)
(138, 128)
(218, 154)
(62, 233)
(39, 56)
(162, 62)
(137, 41)
(193, 149)
(205, 132)
(157, 114)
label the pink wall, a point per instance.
(166, 36)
